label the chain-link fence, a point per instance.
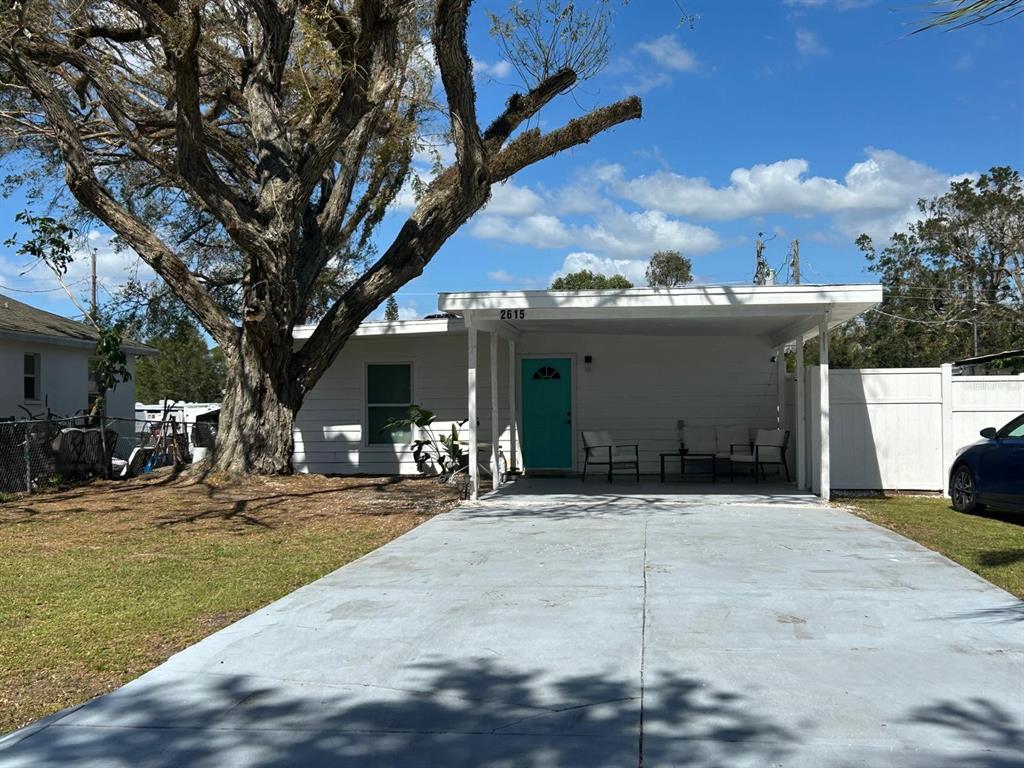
(40, 453)
(37, 453)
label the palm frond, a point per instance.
(957, 14)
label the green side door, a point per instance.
(547, 413)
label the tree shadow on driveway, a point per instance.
(476, 713)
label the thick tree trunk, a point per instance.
(257, 410)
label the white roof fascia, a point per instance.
(628, 302)
(395, 328)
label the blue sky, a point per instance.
(809, 119)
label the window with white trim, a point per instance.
(32, 387)
(388, 396)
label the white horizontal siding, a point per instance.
(329, 429)
(638, 389)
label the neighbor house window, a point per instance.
(388, 396)
(32, 387)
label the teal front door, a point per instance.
(547, 413)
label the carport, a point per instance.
(637, 362)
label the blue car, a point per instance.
(990, 472)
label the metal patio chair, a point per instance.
(600, 449)
(769, 448)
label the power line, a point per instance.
(923, 322)
(40, 290)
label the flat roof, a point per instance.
(782, 312)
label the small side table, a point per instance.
(683, 457)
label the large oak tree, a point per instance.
(274, 134)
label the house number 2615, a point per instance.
(513, 314)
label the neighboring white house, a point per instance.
(634, 362)
(44, 364)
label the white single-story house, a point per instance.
(531, 370)
(44, 364)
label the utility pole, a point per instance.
(974, 325)
(796, 262)
(94, 308)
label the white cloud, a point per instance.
(32, 282)
(667, 52)
(633, 270)
(498, 70)
(963, 62)
(617, 233)
(539, 230)
(408, 312)
(839, 5)
(510, 199)
(885, 182)
(620, 233)
(643, 82)
(808, 44)
(501, 276)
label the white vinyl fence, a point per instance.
(899, 428)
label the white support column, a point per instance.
(474, 469)
(801, 418)
(948, 448)
(513, 422)
(495, 473)
(780, 362)
(823, 424)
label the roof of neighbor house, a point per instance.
(27, 323)
(781, 312)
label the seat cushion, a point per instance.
(699, 439)
(738, 434)
(593, 438)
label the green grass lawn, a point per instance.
(99, 584)
(991, 545)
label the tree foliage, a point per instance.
(575, 36)
(391, 310)
(957, 14)
(50, 242)
(956, 270)
(183, 369)
(585, 280)
(248, 152)
(668, 269)
(109, 365)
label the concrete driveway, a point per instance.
(549, 628)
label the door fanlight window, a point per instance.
(546, 372)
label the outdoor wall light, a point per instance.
(588, 363)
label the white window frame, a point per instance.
(367, 443)
(37, 377)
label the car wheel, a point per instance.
(963, 491)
